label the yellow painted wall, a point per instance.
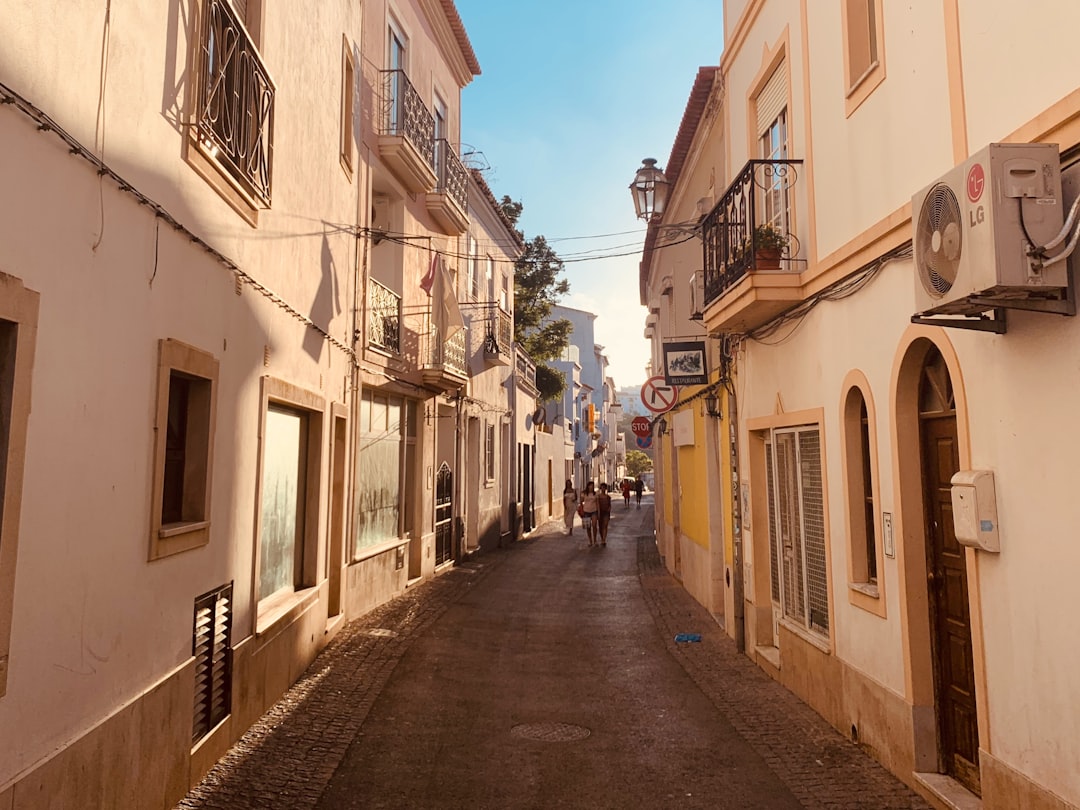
(694, 495)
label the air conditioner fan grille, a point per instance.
(939, 240)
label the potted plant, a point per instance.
(769, 245)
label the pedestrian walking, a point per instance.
(639, 487)
(625, 486)
(569, 501)
(588, 511)
(603, 513)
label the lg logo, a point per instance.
(976, 184)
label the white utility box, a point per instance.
(974, 502)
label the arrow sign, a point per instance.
(644, 442)
(641, 426)
(657, 395)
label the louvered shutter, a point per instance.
(774, 539)
(813, 525)
(212, 649)
(772, 99)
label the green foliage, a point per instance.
(637, 463)
(511, 209)
(550, 383)
(537, 287)
(767, 237)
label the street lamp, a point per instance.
(650, 190)
(712, 405)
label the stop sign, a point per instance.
(640, 426)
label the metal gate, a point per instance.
(444, 515)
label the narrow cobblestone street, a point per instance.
(545, 675)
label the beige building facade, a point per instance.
(852, 421)
(234, 248)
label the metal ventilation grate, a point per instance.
(212, 648)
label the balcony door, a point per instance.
(772, 127)
(396, 53)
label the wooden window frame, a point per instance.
(348, 108)
(192, 530)
(489, 451)
(860, 454)
(19, 312)
(858, 88)
(273, 608)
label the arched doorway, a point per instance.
(946, 578)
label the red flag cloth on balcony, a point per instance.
(429, 279)
(445, 312)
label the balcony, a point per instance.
(445, 366)
(407, 133)
(449, 203)
(498, 336)
(526, 372)
(746, 286)
(384, 318)
(234, 116)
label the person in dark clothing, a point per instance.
(639, 487)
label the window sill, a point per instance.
(808, 636)
(869, 589)
(175, 538)
(368, 552)
(283, 608)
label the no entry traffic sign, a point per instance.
(641, 426)
(657, 395)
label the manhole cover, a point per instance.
(550, 732)
(380, 633)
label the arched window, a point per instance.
(862, 512)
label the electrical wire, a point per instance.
(845, 288)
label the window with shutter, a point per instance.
(212, 649)
(797, 527)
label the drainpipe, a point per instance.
(736, 519)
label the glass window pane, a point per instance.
(281, 500)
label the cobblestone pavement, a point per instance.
(313, 749)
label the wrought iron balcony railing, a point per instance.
(526, 369)
(234, 121)
(405, 114)
(453, 177)
(499, 331)
(384, 318)
(449, 355)
(749, 228)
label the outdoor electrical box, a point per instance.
(974, 502)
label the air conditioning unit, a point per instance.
(697, 296)
(974, 228)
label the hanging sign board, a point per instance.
(684, 363)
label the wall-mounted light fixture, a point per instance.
(650, 190)
(712, 405)
(661, 426)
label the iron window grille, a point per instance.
(212, 648)
(235, 108)
(384, 317)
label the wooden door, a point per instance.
(954, 674)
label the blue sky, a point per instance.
(572, 96)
